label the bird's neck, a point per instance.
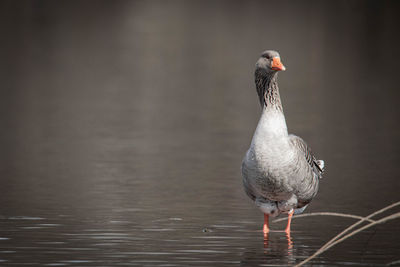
(268, 92)
(272, 123)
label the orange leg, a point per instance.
(287, 230)
(266, 224)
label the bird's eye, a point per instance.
(267, 56)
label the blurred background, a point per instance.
(124, 124)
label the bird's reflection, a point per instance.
(265, 240)
(290, 243)
(288, 238)
(279, 248)
(274, 246)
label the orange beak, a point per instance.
(277, 64)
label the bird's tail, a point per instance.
(321, 167)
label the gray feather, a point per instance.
(316, 165)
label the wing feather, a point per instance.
(316, 165)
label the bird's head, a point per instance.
(265, 75)
(269, 63)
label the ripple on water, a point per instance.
(220, 237)
(158, 229)
(168, 219)
(226, 226)
(77, 261)
(25, 218)
(201, 251)
(146, 253)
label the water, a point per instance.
(124, 125)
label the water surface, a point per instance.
(124, 125)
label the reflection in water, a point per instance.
(170, 240)
(290, 243)
(124, 124)
(276, 247)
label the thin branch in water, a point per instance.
(356, 224)
(393, 263)
(326, 247)
(325, 214)
(359, 222)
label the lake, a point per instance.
(124, 124)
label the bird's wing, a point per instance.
(316, 165)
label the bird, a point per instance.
(280, 173)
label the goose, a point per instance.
(280, 173)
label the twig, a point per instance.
(393, 263)
(321, 250)
(359, 222)
(326, 247)
(325, 214)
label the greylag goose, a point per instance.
(280, 173)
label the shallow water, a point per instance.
(125, 123)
